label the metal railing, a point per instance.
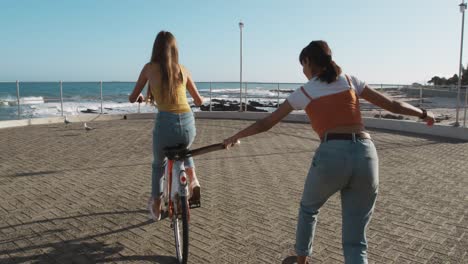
(90, 97)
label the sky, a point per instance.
(392, 42)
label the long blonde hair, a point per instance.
(166, 54)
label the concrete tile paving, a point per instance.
(71, 196)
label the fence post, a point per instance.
(61, 96)
(210, 96)
(466, 101)
(240, 97)
(245, 96)
(101, 98)
(18, 99)
(420, 96)
(277, 98)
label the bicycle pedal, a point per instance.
(194, 204)
(164, 214)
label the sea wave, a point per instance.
(252, 92)
(31, 100)
(37, 106)
(78, 108)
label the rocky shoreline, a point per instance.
(233, 105)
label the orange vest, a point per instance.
(335, 110)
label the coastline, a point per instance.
(262, 98)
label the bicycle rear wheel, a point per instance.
(181, 229)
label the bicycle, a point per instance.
(175, 193)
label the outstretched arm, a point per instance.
(261, 125)
(394, 106)
(140, 84)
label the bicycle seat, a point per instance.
(178, 152)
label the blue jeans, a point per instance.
(350, 167)
(170, 129)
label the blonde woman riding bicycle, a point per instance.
(168, 82)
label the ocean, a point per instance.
(42, 99)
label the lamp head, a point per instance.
(462, 7)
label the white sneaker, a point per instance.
(152, 214)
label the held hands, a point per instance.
(231, 142)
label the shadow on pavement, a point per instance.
(78, 250)
(86, 252)
(289, 260)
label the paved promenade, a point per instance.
(71, 196)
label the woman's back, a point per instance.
(330, 105)
(163, 100)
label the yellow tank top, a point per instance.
(164, 104)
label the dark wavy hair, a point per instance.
(319, 54)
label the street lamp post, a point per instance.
(462, 10)
(241, 26)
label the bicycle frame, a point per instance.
(174, 186)
(175, 194)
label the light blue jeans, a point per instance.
(350, 167)
(170, 129)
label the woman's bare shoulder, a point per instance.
(185, 70)
(152, 68)
(152, 65)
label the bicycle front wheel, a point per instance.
(181, 230)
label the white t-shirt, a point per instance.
(316, 89)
